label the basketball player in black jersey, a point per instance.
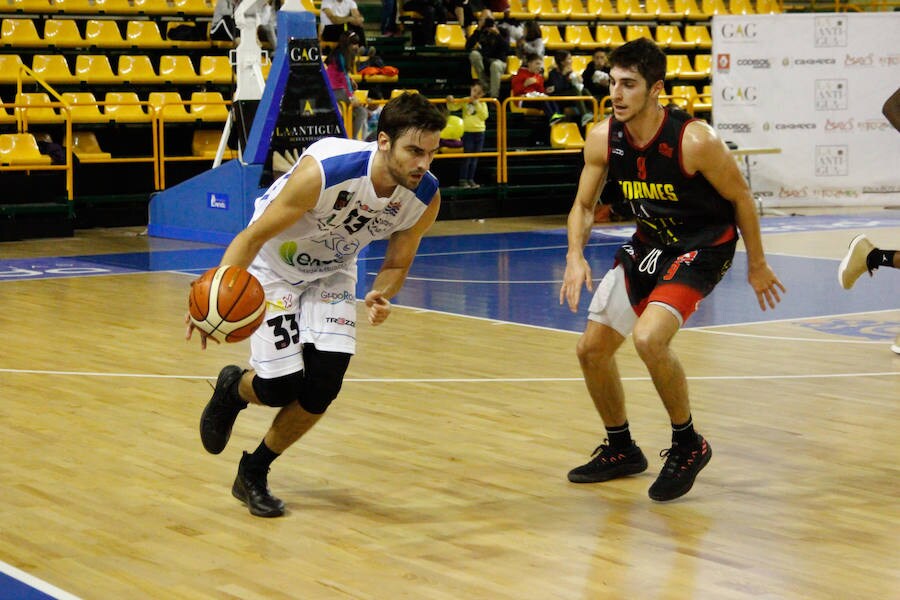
(689, 201)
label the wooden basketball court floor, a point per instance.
(440, 471)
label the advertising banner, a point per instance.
(813, 86)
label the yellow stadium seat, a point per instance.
(634, 11)
(553, 40)
(216, 110)
(21, 149)
(714, 7)
(119, 7)
(662, 10)
(153, 7)
(94, 69)
(702, 67)
(53, 69)
(137, 69)
(104, 34)
(519, 10)
(84, 108)
(633, 32)
(78, 7)
(145, 35)
(62, 33)
(86, 147)
(767, 7)
(676, 64)
(669, 37)
(20, 33)
(566, 135)
(206, 143)
(215, 69)
(609, 36)
(690, 10)
(42, 112)
(9, 69)
(170, 107)
(580, 35)
(33, 6)
(741, 7)
(124, 107)
(450, 35)
(177, 69)
(545, 11)
(203, 8)
(605, 11)
(579, 62)
(699, 35)
(577, 11)
(684, 96)
(7, 115)
(703, 103)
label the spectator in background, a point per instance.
(497, 7)
(531, 41)
(488, 49)
(338, 16)
(433, 12)
(563, 81)
(529, 82)
(389, 18)
(338, 67)
(596, 76)
(474, 115)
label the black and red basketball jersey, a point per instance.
(672, 209)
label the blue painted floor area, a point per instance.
(13, 589)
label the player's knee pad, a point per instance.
(324, 377)
(279, 391)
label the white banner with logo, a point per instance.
(812, 85)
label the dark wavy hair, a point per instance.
(641, 54)
(410, 110)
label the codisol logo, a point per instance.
(734, 127)
(831, 94)
(755, 63)
(832, 161)
(830, 32)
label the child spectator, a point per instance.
(474, 114)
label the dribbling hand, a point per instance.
(378, 307)
(190, 331)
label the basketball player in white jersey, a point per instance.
(302, 244)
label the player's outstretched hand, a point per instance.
(378, 307)
(191, 328)
(766, 285)
(578, 272)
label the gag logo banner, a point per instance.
(739, 32)
(740, 95)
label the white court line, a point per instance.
(478, 380)
(36, 583)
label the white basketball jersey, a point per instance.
(347, 217)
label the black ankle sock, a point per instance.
(619, 437)
(684, 434)
(880, 258)
(261, 458)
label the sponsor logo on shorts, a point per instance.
(330, 297)
(340, 321)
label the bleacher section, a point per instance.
(133, 82)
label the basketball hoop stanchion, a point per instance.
(289, 111)
(745, 154)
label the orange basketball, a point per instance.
(227, 303)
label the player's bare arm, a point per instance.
(399, 256)
(296, 198)
(704, 151)
(581, 217)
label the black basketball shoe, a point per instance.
(221, 411)
(609, 464)
(681, 468)
(251, 488)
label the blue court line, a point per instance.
(16, 584)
